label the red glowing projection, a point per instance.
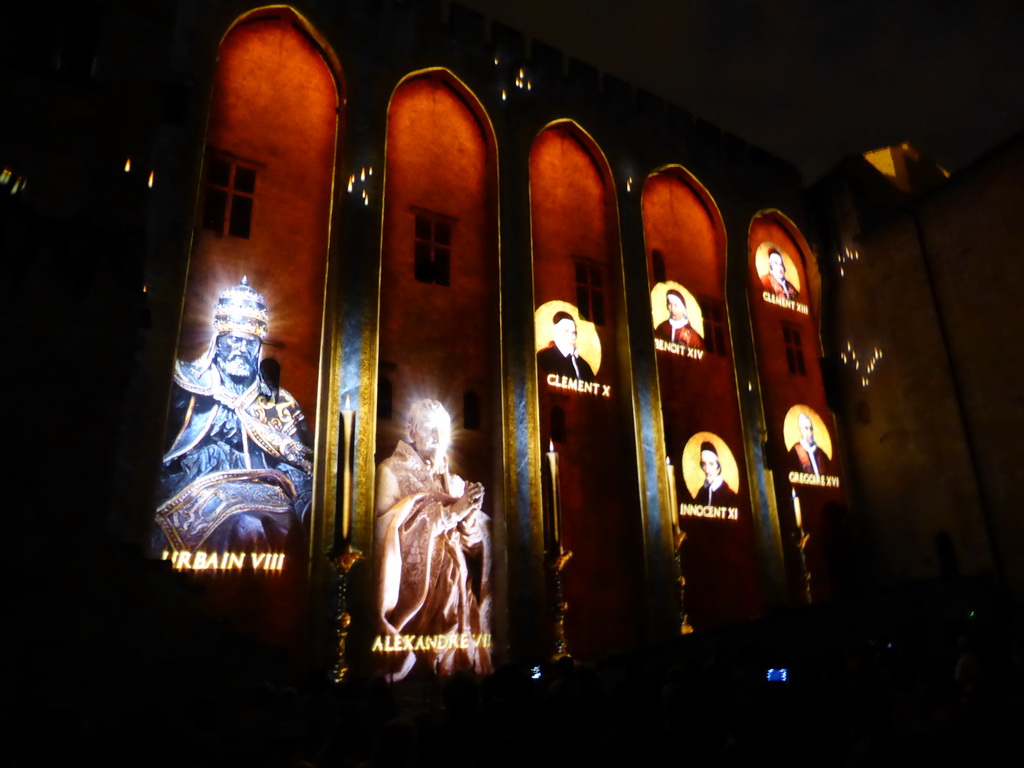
(685, 240)
(577, 266)
(783, 289)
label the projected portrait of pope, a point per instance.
(238, 473)
(433, 549)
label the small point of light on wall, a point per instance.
(145, 289)
(521, 73)
(5, 176)
(495, 61)
(850, 357)
(369, 171)
(362, 175)
(366, 201)
(629, 184)
(504, 94)
(127, 164)
(351, 181)
(152, 176)
(529, 85)
(750, 386)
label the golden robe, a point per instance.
(433, 570)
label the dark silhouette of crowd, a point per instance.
(135, 672)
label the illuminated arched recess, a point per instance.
(577, 263)
(439, 333)
(686, 246)
(273, 127)
(439, 292)
(263, 213)
(782, 292)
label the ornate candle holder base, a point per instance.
(342, 564)
(802, 539)
(685, 627)
(560, 606)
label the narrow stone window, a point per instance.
(590, 292)
(471, 410)
(794, 350)
(230, 192)
(714, 325)
(433, 248)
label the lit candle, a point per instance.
(796, 512)
(672, 498)
(348, 417)
(556, 500)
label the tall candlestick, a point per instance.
(347, 422)
(796, 512)
(556, 500)
(672, 498)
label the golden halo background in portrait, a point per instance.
(761, 262)
(587, 342)
(659, 312)
(791, 429)
(693, 475)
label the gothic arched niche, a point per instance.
(801, 447)
(236, 484)
(270, 148)
(439, 339)
(696, 377)
(583, 371)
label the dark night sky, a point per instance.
(811, 81)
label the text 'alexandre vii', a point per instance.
(403, 643)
